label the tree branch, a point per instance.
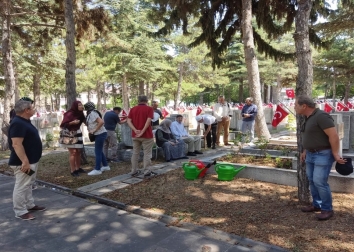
(36, 24)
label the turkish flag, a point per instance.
(270, 105)
(341, 107)
(165, 112)
(279, 115)
(123, 115)
(290, 93)
(327, 108)
(350, 105)
(199, 110)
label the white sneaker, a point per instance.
(105, 168)
(94, 172)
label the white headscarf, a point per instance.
(165, 126)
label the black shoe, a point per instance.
(198, 152)
(191, 154)
(213, 147)
(75, 174)
(136, 173)
(80, 170)
(185, 157)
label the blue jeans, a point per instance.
(247, 129)
(100, 157)
(318, 167)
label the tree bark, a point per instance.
(70, 64)
(179, 85)
(9, 73)
(303, 84)
(99, 95)
(36, 88)
(252, 67)
(125, 94)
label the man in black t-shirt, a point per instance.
(157, 115)
(26, 150)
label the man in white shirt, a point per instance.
(194, 142)
(210, 125)
(222, 112)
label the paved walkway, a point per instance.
(83, 221)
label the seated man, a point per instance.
(172, 148)
(194, 142)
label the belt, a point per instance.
(319, 149)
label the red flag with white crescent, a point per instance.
(199, 110)
(279, 115)
(349, 105)
(290, 93)
(341, 107)
(164, 112)
(327, 108)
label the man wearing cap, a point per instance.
(26, 151)
(210, 125)
(320, 145)
(194, 142)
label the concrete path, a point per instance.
(72, 223)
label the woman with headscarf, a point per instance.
(173, 149)
(95, 126)
(72, 121)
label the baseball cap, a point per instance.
(345, 169)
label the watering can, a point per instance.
(191, 171)
(227, 172)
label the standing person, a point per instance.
(139, 120)
(248, 113)
(111, 119)
(26, 150)
(173, 149)
(95, 126)
(157, 115)
(194, 142)
(222, 112)
(320, 144)
(210, 125)
(72, 121)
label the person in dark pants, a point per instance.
(26, 150)
(111, 119)
(320, 145)
(210, 126)
(248, 113)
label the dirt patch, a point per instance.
(257, 210)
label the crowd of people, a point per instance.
(320, 143)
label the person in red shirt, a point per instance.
(139, 120)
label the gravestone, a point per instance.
(126, 135)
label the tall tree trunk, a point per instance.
(141, 88)
(70, 64)
(240, 91)
(303, 84)
(125, 95)
(347, 91)
(334, 88)
(179, 85)
(252, 67)
(36, 88)
(7, 59)
(99, 95)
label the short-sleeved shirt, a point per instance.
(92, 124)
(159, 115)
(138, 115)
(32, 144)
(313, 136)
(110, 120)
(209, 119)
